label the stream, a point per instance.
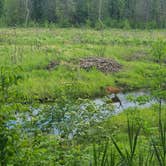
(74, 118)
(125, 102)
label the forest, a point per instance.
(91, 13)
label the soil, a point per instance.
(52, 65)
(103, 64)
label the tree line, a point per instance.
(92, 13)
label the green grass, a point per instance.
(33, 49)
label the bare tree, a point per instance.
(27, 12)
(100, 12)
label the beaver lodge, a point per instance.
(104, 65)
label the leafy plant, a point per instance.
(8, 77)
(127, 157)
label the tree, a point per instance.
(138, 13)
(37, 10)
(65, 11)
(27, 12)
(1, 7)
(49, 11)
(15, 12)
(81, 11)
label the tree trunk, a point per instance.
(27, 12)
(100, 12)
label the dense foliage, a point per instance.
(94, 13)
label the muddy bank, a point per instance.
(52, 65)
(104, 65)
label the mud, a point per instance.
(52, 65)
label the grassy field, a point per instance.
(34, 49)
(38, 66)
